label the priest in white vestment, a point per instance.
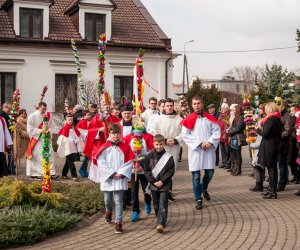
(5, 143)
(151, 111)
(168, 125)
(34, 153)
(201, 133)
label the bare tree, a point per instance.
(245, 73)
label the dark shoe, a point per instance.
(206, 195)
(298, 193)
(199, 205)
(65, 177)
(251, 175)
(297, 181)
(54, 177)
(270, 196)
(257, 188)
(171, 197)
(280, 189)
(222, 166)
(265, 193)
(76, 179)
(119, 229)
(108, 217)
(179, 160)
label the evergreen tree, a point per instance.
(208, 95)
(276, 78)
(261, 91)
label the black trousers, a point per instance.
(224, 153)
(292, 157)
(273, 178)
(217, 155)
(160, 203)
(3, 165)
(69, 165)
(135, 185)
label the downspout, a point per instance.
(166, 75)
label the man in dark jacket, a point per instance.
(5, 111)
(285, 145)
(294, 150)
(77, 114)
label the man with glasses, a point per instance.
(151, 110)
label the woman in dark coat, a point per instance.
(269, 147)
(236, 131)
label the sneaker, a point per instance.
(75, 179)
(54, 177)
(119, 229)
(171, 197)
(108, 217)
(65, 177)
(160, 229)
(148, 208)
(199, 205)
(134, 216)
(206, 195)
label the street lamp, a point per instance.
(185, 65)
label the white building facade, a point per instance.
(31, 58)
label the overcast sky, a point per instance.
(229, 25)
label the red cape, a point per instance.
(147, 137)
(92, 145)
(125, 148)
(190, 121)
(82, 124)
(65, 131)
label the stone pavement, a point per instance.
(234, 219)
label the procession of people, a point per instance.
(123, 151)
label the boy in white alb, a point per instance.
(70, 144)
(115, 162)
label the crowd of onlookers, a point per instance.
(277, 153)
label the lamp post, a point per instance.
(184, 64)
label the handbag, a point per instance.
(242, 139)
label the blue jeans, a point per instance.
(83, 168)
(199, 187)
(118, 199)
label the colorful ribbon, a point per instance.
(83, 98)
(46, 156)
(101, 65)
(139, 83)
(15, 110)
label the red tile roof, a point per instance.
(132, 25)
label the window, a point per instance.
(123, 87)
(237, 88)
(31, 23)
(7, 86)
(94, 26)
(245, 88)
(65, 88)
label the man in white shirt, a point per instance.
(148, 113)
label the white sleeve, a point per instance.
(126, 169)
(7, 135)
(32, 131)
(189, 139)
(214, 139)
(105, 170)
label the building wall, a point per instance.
(37, 70)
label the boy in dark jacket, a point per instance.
(159, 169)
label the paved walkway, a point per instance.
(234, 219)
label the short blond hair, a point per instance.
(271, 107)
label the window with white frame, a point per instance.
(94, 26)
(7, 86)
(31, 23)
